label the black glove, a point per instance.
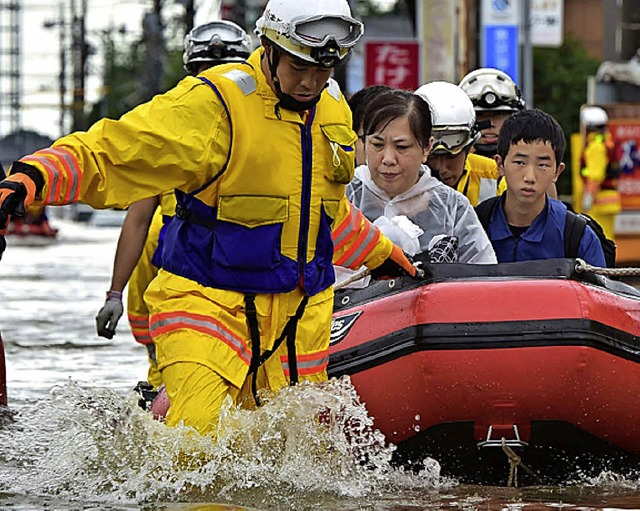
(12, 198)
(3, 245)
(18, 191)
(398, 264)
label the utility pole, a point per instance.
(240, 13)
(63, 73)
(79, 58)
(153, 36)
(189, 15)
(527, 56)
(10, 76)
(61, 25)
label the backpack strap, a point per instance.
(574, 226)
(484, 210)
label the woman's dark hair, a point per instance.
(530, 126)
(387, 106)
(359, 101)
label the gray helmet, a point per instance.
(217, 42)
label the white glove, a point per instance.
(108, 317)
(587, 202)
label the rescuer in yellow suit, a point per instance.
(259, 154)
(600, 195)
(139, 251)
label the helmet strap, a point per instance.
(285, 100)
(488, 150)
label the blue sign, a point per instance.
(501, 50)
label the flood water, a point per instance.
(78, 440)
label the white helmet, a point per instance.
(453, 117)
(217, 42)
(592, 116)
(321, 32)
(492, 89)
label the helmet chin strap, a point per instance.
(286, 101)
(488, 150)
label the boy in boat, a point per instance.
(525, 223)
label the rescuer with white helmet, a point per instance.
(213, 43)
(318, 34)
(599, 169)
(594, 118)
(495, 96)
(454, 132)
(259, 153)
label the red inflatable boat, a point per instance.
(478, 362)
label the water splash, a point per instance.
(310, 443)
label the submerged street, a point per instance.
(79, 441)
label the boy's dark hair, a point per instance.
(387, 106)
(359, 101)
(530, 126)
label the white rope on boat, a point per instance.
(582, 266)
(356, 276)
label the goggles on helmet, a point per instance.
(447, 141)
(225, 33)
(319, 31)
(324, 40)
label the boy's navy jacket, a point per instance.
(544, 239)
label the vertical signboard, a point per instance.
(499, 20)
(547, 18)
(392, 63)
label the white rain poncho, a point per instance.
(433, 206)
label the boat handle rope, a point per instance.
(514, 462)
(583, 266)
(356, 276)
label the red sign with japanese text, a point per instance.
(393, 63)
(626, 135)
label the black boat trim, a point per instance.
(482, 336)
(554, 269)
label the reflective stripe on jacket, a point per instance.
(273, 187)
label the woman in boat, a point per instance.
(397, 183)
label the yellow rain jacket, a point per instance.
(241, 164)
(480, 179)
(595, 161)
